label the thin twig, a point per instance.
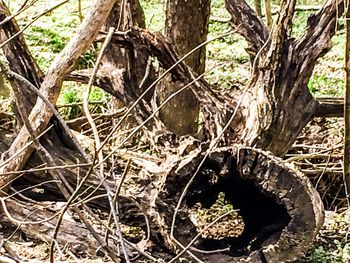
(19, 11)
(14, 220)
(312, 155)
(48, 168)
(170, 97)
(98, 141)
(159, 79)
(200, 233)
(16, 192)
(117, 192)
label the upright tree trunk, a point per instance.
(347, 104)
(186, 28)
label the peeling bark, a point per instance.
(279, 105)
(272, 198)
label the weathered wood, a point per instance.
(74, 236)
(184, 36)
(272, 197)
(216, 108)
(19, 58)
(51, 85)
(248, 24)
(277, 107)
(278, 103)
(66, 158)
(133, 64)
(330, 107)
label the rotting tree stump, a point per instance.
(282, 212)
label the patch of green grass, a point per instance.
(300, 22)
(337, 248)
(230, 49)
(74, 93)
(49, 35)
(70, 94)
(87, 60)
(321, 85)
(45, 44)
(154, 14)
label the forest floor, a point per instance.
(316, 147)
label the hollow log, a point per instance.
(281, 210)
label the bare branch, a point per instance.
(51, 86)
(319, 40)
(250, 25)
(281, 29)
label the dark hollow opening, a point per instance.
(263, 216)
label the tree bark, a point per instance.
(123, 16)
(74, 236)
(271, 197)
(19, 58)
(278, 102)
(347, 105)
(51, 85)
(186, 27)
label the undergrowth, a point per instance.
(48, 36)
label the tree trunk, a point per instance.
(271, 197)
(124, 15)
(129, 71)
(347, 105)
(278, 102)
(186, 27)
(19, 58)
